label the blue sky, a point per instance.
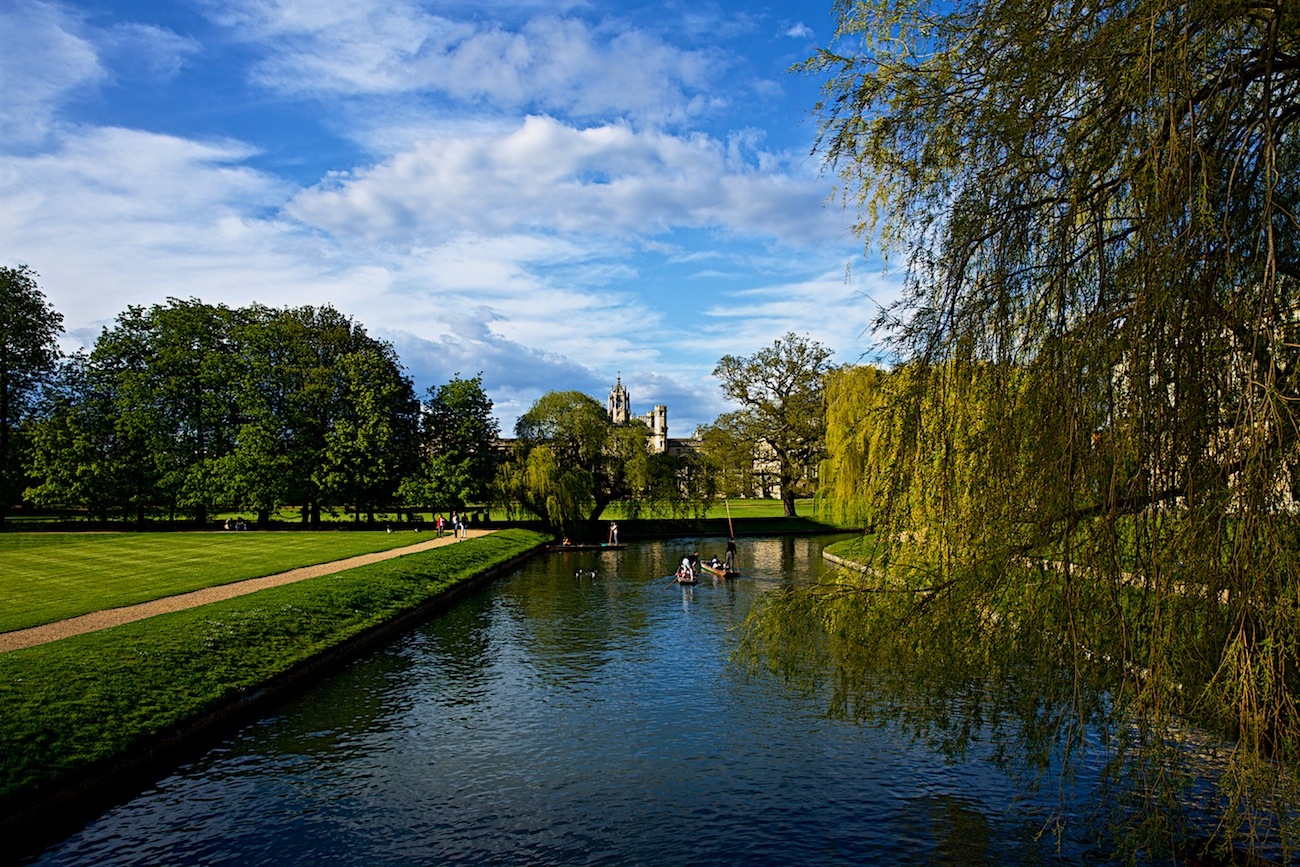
(553, 194)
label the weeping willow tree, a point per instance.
(1083, 469)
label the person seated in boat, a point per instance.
(686, 570)
(714, 562)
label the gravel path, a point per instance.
(97, 620)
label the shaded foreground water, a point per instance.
(562, 718)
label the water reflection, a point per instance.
(560, 717)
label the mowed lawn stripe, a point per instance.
(46, 577)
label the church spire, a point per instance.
(620, 402)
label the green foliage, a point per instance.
(571, 461)
(86, 699)
(733, 458)
(29, 332)
(185, 408)
(779, 390)
(1083, 466)
(371, 444)
(857, 418)
(564, 468)
(458, 437)
(574, 426)
(75, 449)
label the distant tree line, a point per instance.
(184, 409)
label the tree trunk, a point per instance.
(786, 479)
(787, 501)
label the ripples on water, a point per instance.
(562, 719)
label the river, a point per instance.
(560, 717)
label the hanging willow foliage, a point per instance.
(1084, 468)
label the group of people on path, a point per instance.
(458, 524)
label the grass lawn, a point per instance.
(860, 549)
(51, 576)
(70, 704)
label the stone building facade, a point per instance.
(620, 412)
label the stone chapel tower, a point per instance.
(620, 403)
(620, 412)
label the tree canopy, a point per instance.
(185, 406)
(458, 441)
(779, 390)
(1084, 463)
(561, 469)
(571, 460)
(29, 350)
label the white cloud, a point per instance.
(119, 217)
(546, 253)
(836, 309)
(116, 217)
(546, 176)
(146, 51)
(41, 62)
(799, 31)
(549, 63)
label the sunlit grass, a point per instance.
(859, 549)
(51, 576)
(85, 699)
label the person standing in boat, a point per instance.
(731, 553)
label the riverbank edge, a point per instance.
(58, 811)
(845, 564)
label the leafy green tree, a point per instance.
(80, 459)
(371, 444)
(186, 406)
(858, 427)
(674, 485)
(733, 458)
(29, 333)
(559, 467)
(282, 426)
(172, 369)
(301, 438)
(570, 460)
(779, 390)
(1084, 472)
(459, 440)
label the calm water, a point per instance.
(554, 719)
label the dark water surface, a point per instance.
(554, 719)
